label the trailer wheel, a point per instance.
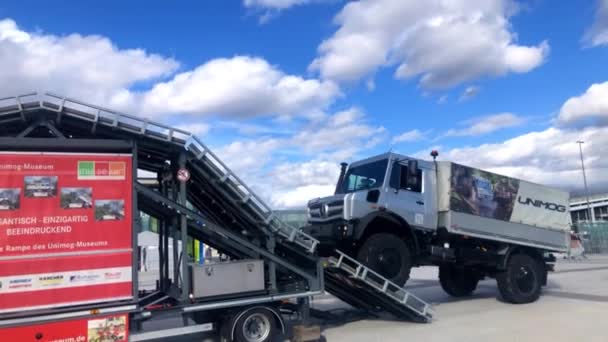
(521, 282)
(252, 325)
(457, 282)
(388, 255)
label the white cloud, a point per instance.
(239, 86)
(469, 93)
(282, 184)
(86, 67)
(248, 158)
(298, 197)
(443, 43)
(269, 9)
(412, 135)
(93, 69)
(342, 130)
(486, 124)
(597, 34)
(275, 4)
(198, 129)
(548, 157)
(590, 107)
(253, 129)
(294, 184)
(278, 169)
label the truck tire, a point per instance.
(255, 325)
(521, 282)
(456, 281)
(387, 254)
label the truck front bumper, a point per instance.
(331, 235)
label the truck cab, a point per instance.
(379, 204)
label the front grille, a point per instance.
(321, 210)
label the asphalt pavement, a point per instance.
(573, 307)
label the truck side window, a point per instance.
(399, 179)
(413, 183)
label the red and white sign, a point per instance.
(65, 221)
(113, 328)
(183, 175)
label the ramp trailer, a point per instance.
(68, 236)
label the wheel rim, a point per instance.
(525, 279)
(256, 328)
(388, 262)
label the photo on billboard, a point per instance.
(111, 329)
(482, 193)
(109, 210)
(10, 198)
(76, 198)
(40, 186)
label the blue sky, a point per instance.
(285, 89)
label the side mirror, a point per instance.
(412, 168)
(395, 180)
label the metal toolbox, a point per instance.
(227, 278)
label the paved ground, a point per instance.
(574, 307)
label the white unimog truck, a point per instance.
(394, 212)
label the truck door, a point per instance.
(411, 198)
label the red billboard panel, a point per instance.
(65, 229)
(113, 328)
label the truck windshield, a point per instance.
(364, 176)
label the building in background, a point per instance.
(580, 211)
(294, 217)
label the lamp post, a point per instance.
(580, 148)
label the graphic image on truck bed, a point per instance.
(9, 198)
(111, 329)
(40, 186)
(76, 198)
(109, 210)
(482, 193)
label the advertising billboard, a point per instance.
(486, 194)
(65, 229)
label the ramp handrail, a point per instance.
(144, 127)
(382, 285)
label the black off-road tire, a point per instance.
(521, 282)
(387, 254)
(457, 281)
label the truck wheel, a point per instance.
(457, 282)
(521, 282)
(388, 255)
(255, 325)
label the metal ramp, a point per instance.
(363, 284)
(220, 199)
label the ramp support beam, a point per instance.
(184, 231)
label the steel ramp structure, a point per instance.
(220, 209)
(364, 283)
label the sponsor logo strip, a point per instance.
(68, 279)
(102, 170)
(54, 298)
(64, 264)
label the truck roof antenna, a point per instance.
(434, 154)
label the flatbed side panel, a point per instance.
(511, 232)
(490, 195)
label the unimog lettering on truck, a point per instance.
(393, 212)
